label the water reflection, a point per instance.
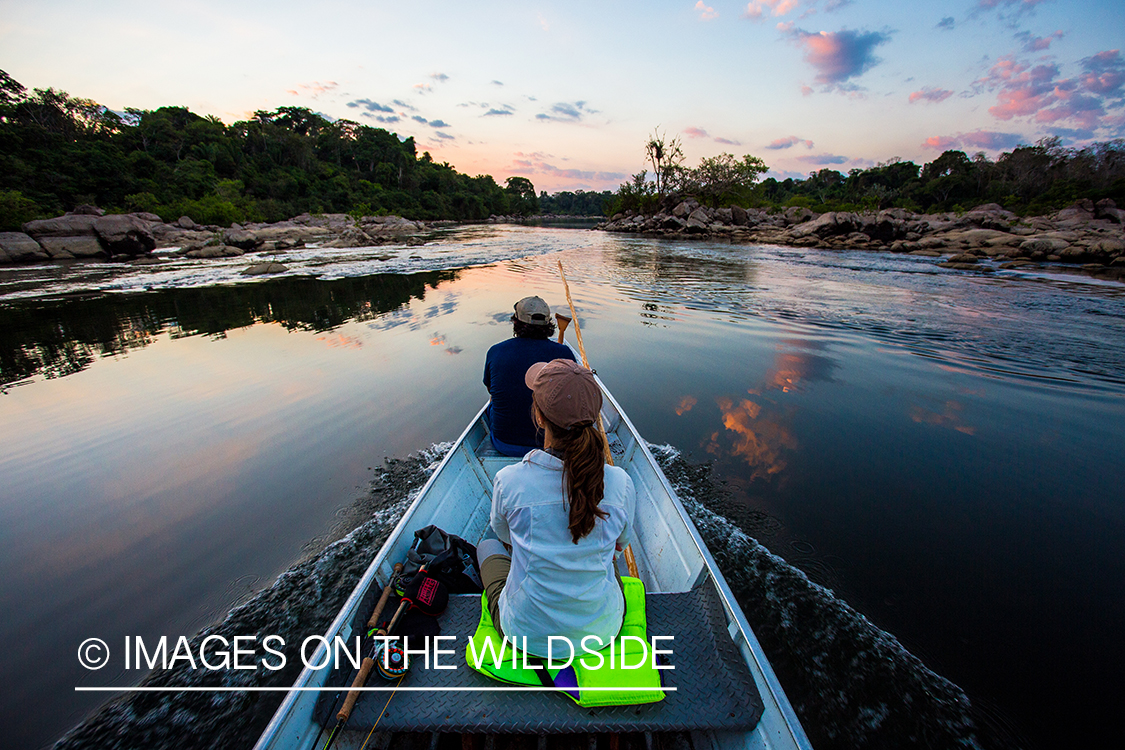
(949, 416)
(60, 338)
(759, 431)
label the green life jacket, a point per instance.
(587, 681)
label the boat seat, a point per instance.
(713, 688)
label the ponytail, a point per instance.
(583, 449)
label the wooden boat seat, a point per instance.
(713, 688)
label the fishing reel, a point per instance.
(390, 662)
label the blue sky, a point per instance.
(565, 93)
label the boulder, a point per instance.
(1043, 244)
(70, 225)
(683, 209)
(240, 238)
(259, 269)
(988, 208)
(185, 222)
(739, 215)
(151, 218)
(700, 214)
(124, 235)
(962, 258)
(65, 248)
(17, 247)
(674, 223)
(798, 215)
(215, 251)
(1110, 247)
(823, 226)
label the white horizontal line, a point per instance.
(342, 688)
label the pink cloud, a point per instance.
(315, 89)
(728, 141)
(988, 140)
(1038, 43)
(757, 9)
(789, 142)
(1039, 93)
(696, 133)
(930, 94)
(839, 55)
(1104, 73)
(705, 11)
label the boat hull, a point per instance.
(670, 554)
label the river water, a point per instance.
(943, 452)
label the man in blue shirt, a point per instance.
(512, 430)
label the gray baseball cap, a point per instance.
(533, 311)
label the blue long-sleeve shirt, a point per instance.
(504, 368)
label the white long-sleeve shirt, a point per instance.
(557, 587)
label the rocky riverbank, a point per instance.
(1086, 234)
(88, 233)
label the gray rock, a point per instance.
(241, 238)
(700, 215)
(149, 217)
(822, 226)
(674, 223)
(124, 235)
(739, 215)
(1109, 247)
(682, 210)
(798, 215)
(185, 222)
(259, 269)
(70, 225)
(65, 248)
(1043, 244)
(963, 258)
(18, 247)
(724, 216)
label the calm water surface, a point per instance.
(945, 451)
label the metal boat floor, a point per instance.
(713, 686)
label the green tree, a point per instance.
(721, 179)
(522, 199)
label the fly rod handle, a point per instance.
(374, 619)
(353, 694)
(366, 666)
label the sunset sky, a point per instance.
(565, 93)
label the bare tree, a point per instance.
(665, 157)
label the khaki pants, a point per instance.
(494, 574)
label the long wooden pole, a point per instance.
(630, 559)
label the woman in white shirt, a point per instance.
(564, 514)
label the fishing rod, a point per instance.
(630, 559)
(424, 593)
(357, 682)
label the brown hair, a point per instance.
(523, 330)
(583, 449)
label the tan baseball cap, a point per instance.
(533, 311)
(565, 392)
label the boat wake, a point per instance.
(302, 601)
(852, 685)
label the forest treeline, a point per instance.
(1028, 180)
(58, 151)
